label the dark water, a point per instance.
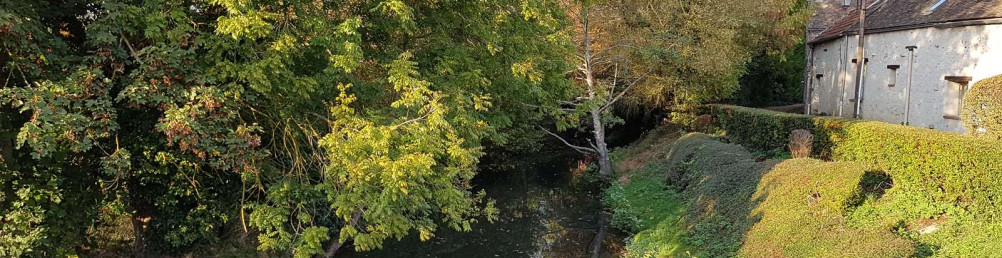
(547, 209)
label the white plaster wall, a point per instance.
(974, 51)
(828, 90)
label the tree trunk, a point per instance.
(605, 166)
(596, 243)
(336, 244)
(7, 135)
(139, 223)
(333, 248)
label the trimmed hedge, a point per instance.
(947, 168)
(983, 108)
(700, 197)
(802, 214)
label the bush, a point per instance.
(983, 108)
(804, 202)
(706, 198)
(801, 142)
(946, 169)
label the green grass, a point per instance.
(649, 207)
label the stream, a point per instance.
(547, 209)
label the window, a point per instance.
(846, 2)
(934, 6)
(955, 92)
(894, 75)
(810, 93)
(873, 4)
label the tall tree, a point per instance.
(664, 55)
(315, 123)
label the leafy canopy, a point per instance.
(310, 122)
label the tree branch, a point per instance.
(416, 119)
(336, 244)
(132, 50)
(582, 150)
(621, 93)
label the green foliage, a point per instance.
(757, 128)
(649, 207)
(186, 115)
(642, 204)
(982, 109)
(697, 51)
(773, 80)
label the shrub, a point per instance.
(982, 110)
(802, 215)
(944, 168)
(757, 128)
(706, 198)
(800, 143)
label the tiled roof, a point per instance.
(827, 12)
(883, 15)
(838, 29)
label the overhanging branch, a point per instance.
(582, 150)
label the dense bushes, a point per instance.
(983, 108)
(946, 169)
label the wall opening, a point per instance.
(955, 91)
(893, 80)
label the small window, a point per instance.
(873, 4)
(846, 2)
(934, 6)
(893, 74)
(955, 91)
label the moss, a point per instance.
(982, 112)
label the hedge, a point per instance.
(802, 214)
(700, 197)
(947, 168)
(983, 108)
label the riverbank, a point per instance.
(695, 195)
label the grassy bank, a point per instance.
(694, 195)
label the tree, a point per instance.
(313, 123)
(664, 55)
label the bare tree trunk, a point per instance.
(605, 166)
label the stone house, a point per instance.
(921, 56)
